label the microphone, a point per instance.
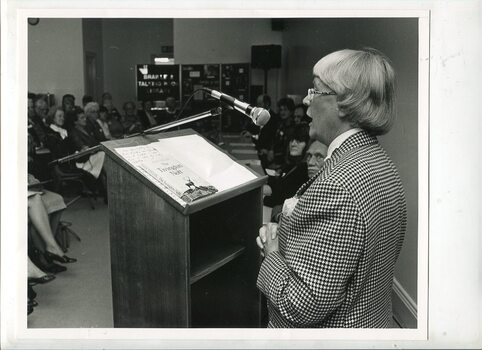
(259, 116)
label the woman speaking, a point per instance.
(330, 261)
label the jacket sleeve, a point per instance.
(329, 235)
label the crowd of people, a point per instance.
(63, 130)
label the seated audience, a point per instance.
(86, 99)
(103, 121)
(57, 140)
(315, 159)
(116, 130)
(292, 174)
(111, 110)
(41, 110)
(130, 120)
(83, 138)
(169, 114)
(91, 111)
(68, 102)
(37, 113)
(53, 202)
(147, 117)
(283, 133)
(36, 275)
(299, 115)
(39, 217)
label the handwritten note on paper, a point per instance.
(167, 173)
(139, 156)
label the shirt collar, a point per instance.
(61, 131)
(337, 142)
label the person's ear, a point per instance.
(341, 113)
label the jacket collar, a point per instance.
(360, 139)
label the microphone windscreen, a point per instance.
(260, 116)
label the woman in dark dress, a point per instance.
(83, 138)
(57, 137)
(294, 171)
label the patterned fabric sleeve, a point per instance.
(327, 240)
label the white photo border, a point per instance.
(14, 89)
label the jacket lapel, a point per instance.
(357, 140)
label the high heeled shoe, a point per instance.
(32, 281)
(61, 259)
(44, 264)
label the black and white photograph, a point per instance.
(205, 178)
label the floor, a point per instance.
(81, 296)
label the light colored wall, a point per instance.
(309, 40)
(56, 58)
(92, 35)
(127, 42)
(226, 40)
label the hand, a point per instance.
(267, 240)
(32, 180)
(267, 191)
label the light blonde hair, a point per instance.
(91, 106)
(364, 83)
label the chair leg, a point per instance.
(73, 233)
(63, 235)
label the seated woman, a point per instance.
(39, 217)
(293, 173)
(299, 115)
(53, 202)
(57, 138)
(115, 130)
(103, 121)
(91, 111)
(36, 275)
(130, 120)
(82, 138)
(147, 116)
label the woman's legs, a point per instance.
(34, 271)
(40, 219)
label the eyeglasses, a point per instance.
(312, 92)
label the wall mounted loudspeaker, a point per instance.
(266, 56)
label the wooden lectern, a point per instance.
(175, 266)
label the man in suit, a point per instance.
(330, 261)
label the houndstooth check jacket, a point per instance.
(338, 248)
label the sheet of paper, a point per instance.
(138, 156)
(211, 164)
